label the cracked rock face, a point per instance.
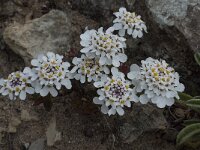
(51, 32)
(181, 14)
(169, 11)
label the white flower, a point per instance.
(114, 93)
(106, 45)
(49, 74)
(157, 82)
(129, 22)
(88, 67)
(16, 85)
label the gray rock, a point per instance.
(100, 9)
(181, 14)
(167, 12)
(51, 32)
(7, 8)
(38, 144)
(142, 119)
(13, 124)
(26, 116)
(52, 134)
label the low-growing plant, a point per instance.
(190, 134)
(103, 53)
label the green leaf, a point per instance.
(194, 103)
(196, 97)
(184, 96)
(197, 57)
(191, 121)
(187, 133)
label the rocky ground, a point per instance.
(28, 28)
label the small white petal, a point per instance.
(77, 76)
(122, 10)
(114, 71)
(98, 84)
(135, 67)
(130, 31)
(120, 111)
(117, 26)
(170, 101)
(170, 94)
(132, 75)
(106, 70)
(122, 32)
(66, 65)
(140, 34)
(2, 82)
(27, 70)
(51, 55)
(34, 62)
(102, 60)
(144, 99)
(85, 50)
(5, 92)
(180, 87)
(53, 91)
(82, 79)
(30, 90)
(122, 57)
(11, 96)
(100, 92)
(111, 112)
(58, 85)
(44, 91)
(85, 36)
(135, 34)
(110, 30)
(97, 101)
(22, 95)
(67, 83)
(104, 109)
(161, 102)
(115, 62)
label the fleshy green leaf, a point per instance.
(187, 133)
(196, 97)
(197, 57)
(191, 121)
(194, 103)
(184, 96)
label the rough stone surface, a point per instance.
(143, 119)
(182, 14)
(167, 12)
(52, 134)
(26, 116)
(13, 124)
(37, 145)
(51, 32)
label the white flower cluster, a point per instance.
(105, 45)
(114, 93)
(48, 74)
(102, 52)
(157, 81)
(130, 22)
(88, 67)
(16, 85)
